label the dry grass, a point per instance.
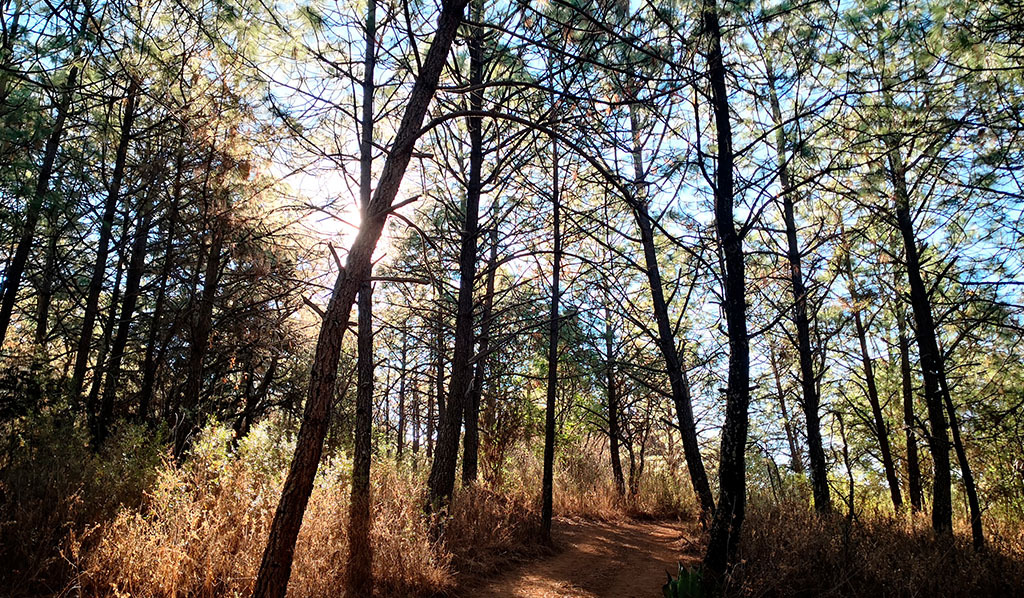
(788, 551)
(202, 527)
(199, 529)
(206, 523)
(52, 486)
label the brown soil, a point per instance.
(616, 559)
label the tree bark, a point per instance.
(471, 442)
(728, 519)
(881, 428)
(977, 531)
(150, 363)
(253, 399)
(103, 245)
(359, 572)
(547, 483)
(797, 462)
(402, 376)
(44, 299)
(928, 353)
(613, 400)
(202, 328)
(276, 564)
(416, 430)
(914, 486)
(16, 268)
(441, 483)
(808, 380)
(667, 340)
(92, 399)
(136, 265)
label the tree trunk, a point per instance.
(150, 363)
(439, 379)
(613, 400)
(977, 531)
(101, 358)
(401, 395)
(252, 400)
(728, 519)
(201, 328)
(441, 483)
(928, 352)
(667, 340)
(16, 268)
(914, 486)
(103, 245)
(276, 564)
(359, 570)
(471, 442)
(881, 428)
(45, 297)
(547, 484)
(437, 398)
(794, 446)
(416, 423)
(136, 265)
(808, 380)
(10, 34)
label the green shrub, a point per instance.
(686, 584)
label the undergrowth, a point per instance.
(130, 522)
(787, 550)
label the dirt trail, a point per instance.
(623, 559)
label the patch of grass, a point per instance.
(787, 550)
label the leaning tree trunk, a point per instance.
(103, 245)
(977, 531)
(881, 428)
(808, 380)
(928, 353)
(92, 400)
(16, 268)
(44, 300)
(441, 483)
(150, 363)
(728, 519)
(276, 564)
(667, 340)
(136, 265)
(253, 399)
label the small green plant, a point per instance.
(686, 584)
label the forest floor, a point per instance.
(596, 559)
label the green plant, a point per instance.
(686, 584)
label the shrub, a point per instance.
(787, 550)
(205, 524)
(53, 485)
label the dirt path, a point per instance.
(624, 559)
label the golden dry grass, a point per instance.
(199, 529)
(205, 524)
(202, 527)
(787, 550)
